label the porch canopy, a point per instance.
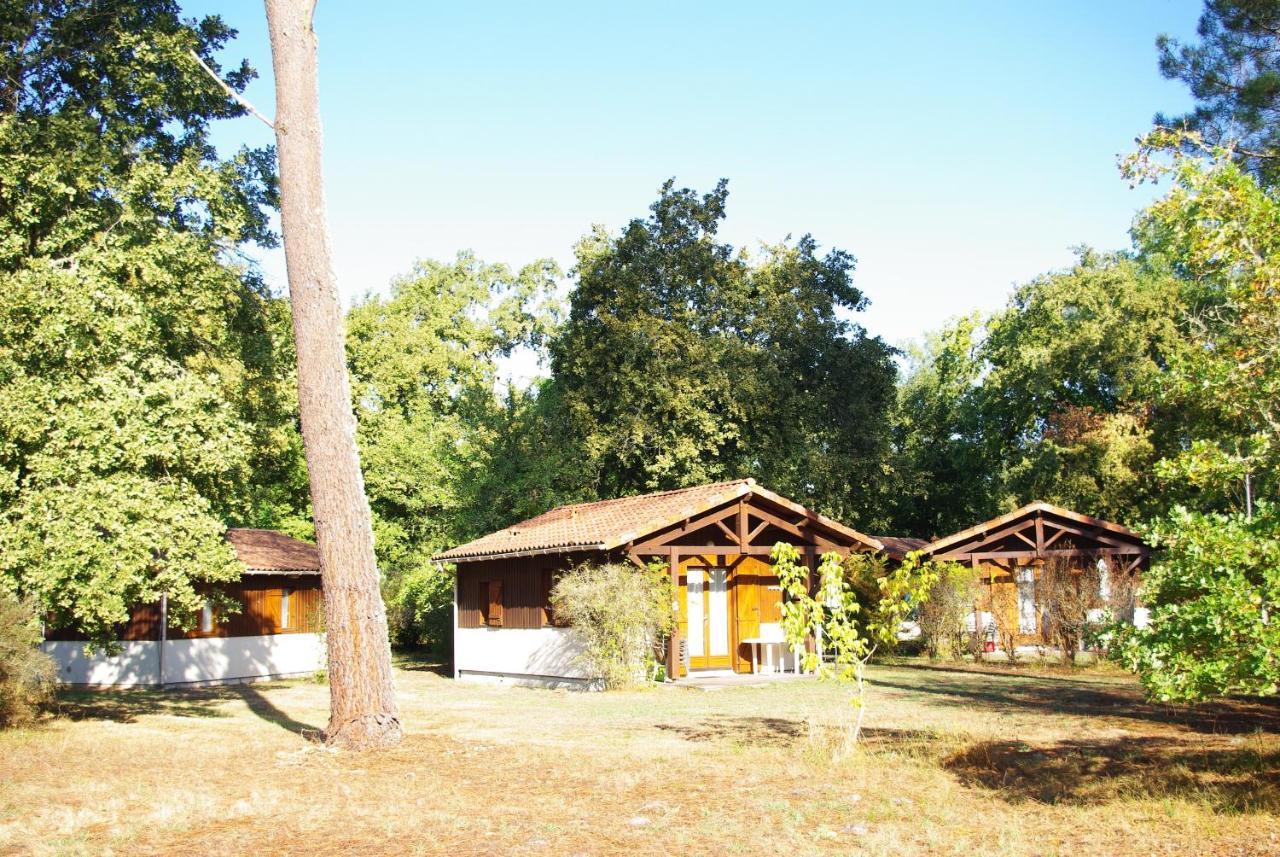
(1039, 531)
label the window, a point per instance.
(284, 606)
(1026, 601)
(206, 618)
(491, 602)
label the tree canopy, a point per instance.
(684, 361)
(140, 394)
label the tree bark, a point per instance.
(363, 712)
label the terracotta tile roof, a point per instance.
(609, 524)
(899, 546)
(267, 551)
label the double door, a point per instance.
(707, 609)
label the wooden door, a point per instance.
(707, 610)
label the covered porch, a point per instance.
(727, 600)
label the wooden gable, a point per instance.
(749, 525)
(1040, 531)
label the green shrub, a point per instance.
(27, 675)
(420, 609)
(620, 612)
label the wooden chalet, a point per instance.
(715, 539)
(1009, 552)
(277, 631)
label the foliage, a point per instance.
(420, 608)
(1221, 231)
(1234, 76)
(943, 614)
(1212, 593)
(1053, 398)
(27, 675)
(850, 631)
(943, 476)
(141, 399)
(423, 363)
(620, 613)
(683, 361)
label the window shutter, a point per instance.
(495, 602)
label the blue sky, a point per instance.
(955, 149)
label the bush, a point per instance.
(27, 675)
(943, 616)
(621, 612)
(420, 609)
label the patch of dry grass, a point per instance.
(955, 762)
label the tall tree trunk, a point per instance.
(363, 712)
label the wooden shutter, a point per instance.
(495, 602)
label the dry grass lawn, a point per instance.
(957, 761)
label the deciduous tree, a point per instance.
(138, 353)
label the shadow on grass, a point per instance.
(1232, 778)
(421, 660)
(1004, 692)
(782, 732)
(752, 731)
(262, 707)
(126, 705)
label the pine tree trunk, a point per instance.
(363, 712)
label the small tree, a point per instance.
(27, 674)
(1071, 598)
(850, 631)
(620, 612)
(944, 614)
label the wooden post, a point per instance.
(164, 634)
(673, 643)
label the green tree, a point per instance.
(1220, 230)
(1070, 399)
(138, 356)
(445, 458)
(683, 361)
(1213, 595)
(943, 476)
(1234, 76)
(1061, 396)
(424, 368)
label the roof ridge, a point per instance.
(664, 493)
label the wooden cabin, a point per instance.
(1010, 552)
(715, 539)
(277, 632)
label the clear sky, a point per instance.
(955, 149)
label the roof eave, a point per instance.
(512, 554)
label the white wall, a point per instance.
(194, 661)
(540, 656)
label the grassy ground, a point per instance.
(957, 761)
